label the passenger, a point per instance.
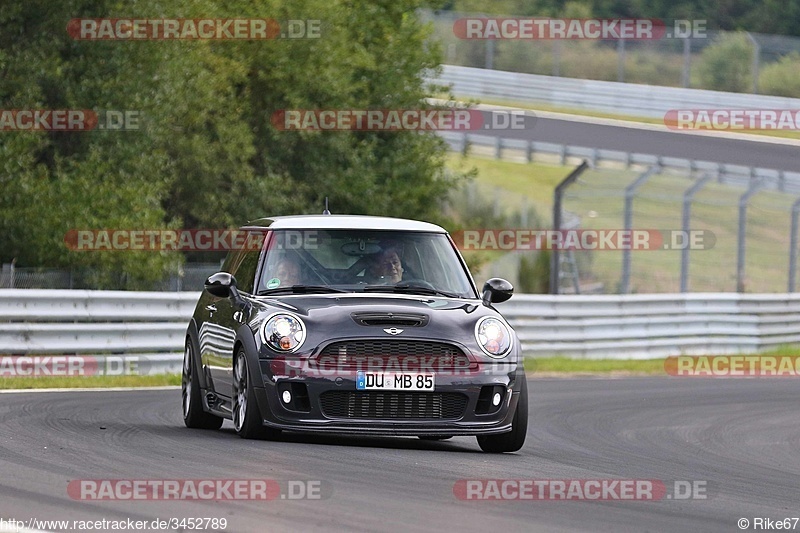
(386, 268)
(287, 271)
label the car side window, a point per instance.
(242, 264)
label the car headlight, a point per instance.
(283, 332)
(493, 336)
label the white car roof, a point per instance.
(344, 222)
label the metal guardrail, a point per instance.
(603, 96)
(141, 330)
(656, 325)
(735, 175)
(624, 326)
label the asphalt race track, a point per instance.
(739, 436)
(719, 147)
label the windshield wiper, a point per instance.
(413, 289)
(299, 289)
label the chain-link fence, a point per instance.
(704, 235)
(717, 60)
(700, 233)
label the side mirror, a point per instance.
(496, 290)
(222, 285)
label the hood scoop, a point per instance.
(391, 319)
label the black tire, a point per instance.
(246, 415)
(435, 437)
(513, 440)
(194, 416)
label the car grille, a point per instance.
(400, 354)
(393, 405)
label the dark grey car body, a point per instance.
(350, 331)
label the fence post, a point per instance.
(557, 201)
(686, 215)
(793, 245)
(489, 61)
(621, 60)
(556, 58)
(630, 191)
(8, 275)
(523, 213)
(687, 62)
(741, 237)
(756, 60)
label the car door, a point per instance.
(218, 333)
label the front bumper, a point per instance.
(467, 385)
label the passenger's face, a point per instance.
(288, 272)
(389, 267)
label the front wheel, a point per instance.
(194, 416)
(246, 415)
(513, 440)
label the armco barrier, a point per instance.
(151, 326)
(603, 96)
(653, 325)
(147, 328)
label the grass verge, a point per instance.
(533, 366)
(650, 367)
(565, 365)
(70, 382)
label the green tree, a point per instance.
(725, 65)
(57, 181)
(780, 78)
(207, 154)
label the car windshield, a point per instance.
(303, 261)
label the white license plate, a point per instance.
(394, 381)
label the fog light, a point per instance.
(496, 399)
(287, 396)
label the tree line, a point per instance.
(205, 153)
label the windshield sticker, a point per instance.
(273, 283)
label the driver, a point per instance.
(386, 268)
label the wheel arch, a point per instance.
(194, 338)
(246, 339)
